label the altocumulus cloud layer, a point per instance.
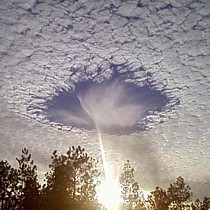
(48, 47)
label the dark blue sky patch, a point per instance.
(113, 106)
(65, 108)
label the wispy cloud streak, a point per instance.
(115, 106)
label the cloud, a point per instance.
(113, 106)
(116, 104)
(109, 105)
(67, 118)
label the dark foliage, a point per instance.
(71, 185)
(179, 194)
(71, 181)
(132, 196)
(158, 200)
(19, 187)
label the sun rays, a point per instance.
(108, 192)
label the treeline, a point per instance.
(71, 184)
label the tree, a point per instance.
(71, 181)
(131, 195)
(196, 205)
(205, 203)
(201, 205)
(70, 184)
(19, 187)
(8, 185)
(158, 199)
(179, 193)
(28, 185)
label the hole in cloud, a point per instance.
(113, 106)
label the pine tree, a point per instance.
(179, 194)
(158, 199)
(8, 186)
(132, 196)
(71, 180)
(28, 185)
(19, 187)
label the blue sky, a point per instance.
(114, 106)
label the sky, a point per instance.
(137, 71)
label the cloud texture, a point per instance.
(113, 106)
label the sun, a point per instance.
(146, 193)
(108, 194)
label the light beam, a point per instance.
(108, 192)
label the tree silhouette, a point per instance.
(8, 185)
(179, 193)
(132, 196)
(158, 199)
(201, 205)
(206, 203)
(72, 180)
(71, 185)
(196, 205)
(19, 187)
(28, 191)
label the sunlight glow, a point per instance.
(108, 194)
(146, 193)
